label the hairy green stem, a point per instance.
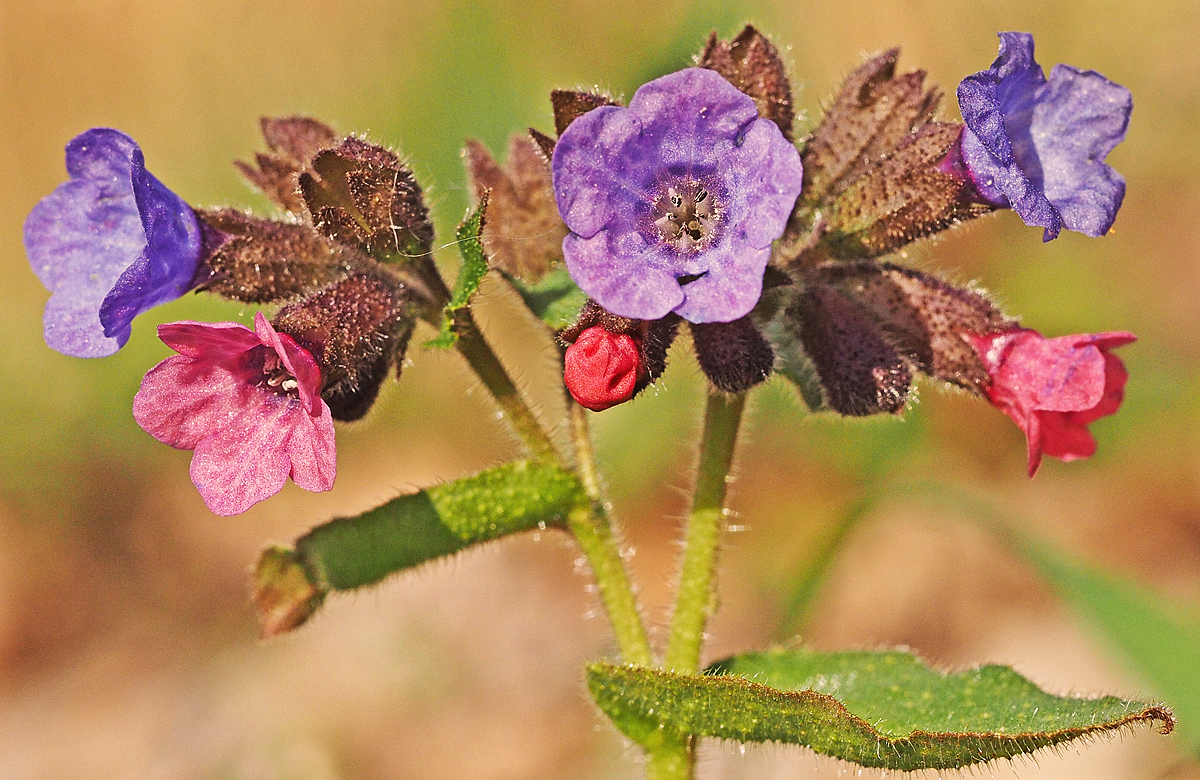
(695, 597)
(598, 539)
(673, 758)
(491, 372)
(585, 455)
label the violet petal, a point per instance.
(83, 238)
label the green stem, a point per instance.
(598, 539)
(673, 758)
(490, 371)
(585, 456)
(695, 599)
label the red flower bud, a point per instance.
(602, 368)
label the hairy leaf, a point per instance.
(877, 709)
(1162, 642)
(470, 274)
(352, 552)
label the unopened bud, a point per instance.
(602, 369)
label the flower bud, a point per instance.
(733, 355)
(360, 194)
(602, 369)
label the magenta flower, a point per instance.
(1038, 146)
(1054, 388)
(673, 202)
(248, 402)
(109, 244)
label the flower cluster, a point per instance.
(691, 204)
(257, 406)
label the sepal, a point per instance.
(861, 372)
(258, 260)
(923, 317)
(903, 196)
(293, 142)
(874, 111)
(357, 329)
(735, 356)
(523, 235)
(362, 195)
(752, 64)
(569, 105)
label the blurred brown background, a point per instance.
(127, 644)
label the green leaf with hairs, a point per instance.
(876, 709)
(470, 274)
(352, 552)
(1161, 641)
(555, 299)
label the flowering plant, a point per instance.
(695, 204)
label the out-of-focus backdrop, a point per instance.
(128, 646)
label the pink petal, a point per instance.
(182, 401)
(209, 340)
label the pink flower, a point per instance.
(1053, 388)
(248, 403)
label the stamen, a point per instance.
(685, 215)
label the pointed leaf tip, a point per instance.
(876, 709)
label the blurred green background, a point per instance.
(127, 643)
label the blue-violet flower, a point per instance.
(109, 244)
(1038, 146)
(248, 402)
(673, 202)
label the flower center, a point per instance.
(686, 215)
(277, 378)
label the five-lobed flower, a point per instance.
(109, 244)
(673, 203)
(1037, 145)
(1054, 388)
(248, 402)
